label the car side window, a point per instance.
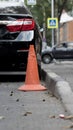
(62, 45)
(70, 45)
(59, 46)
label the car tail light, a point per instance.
(21, 25)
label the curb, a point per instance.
(59, 88)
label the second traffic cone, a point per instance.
(32, 82)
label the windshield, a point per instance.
(13, 6)
(7, 3)
(11, 0)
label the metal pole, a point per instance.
(52, 15)
(44, 35)
(52, 8)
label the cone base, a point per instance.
(32, 88)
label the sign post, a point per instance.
(51, 24)
(52, 15)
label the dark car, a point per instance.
(18, 30)
(63, 51)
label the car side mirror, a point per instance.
(64, 45)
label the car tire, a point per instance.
(46, 58)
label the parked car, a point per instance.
(18, 30)
(63, 51)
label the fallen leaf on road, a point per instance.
(43, 100)
(29, 112)
(68, 117)
(2, 117)
(11, 94)
(70, 126)
(17, 100)
(53, 116)
(25, 114)
(11, 91)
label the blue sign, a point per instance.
(52, 23)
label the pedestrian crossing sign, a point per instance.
(52, 22)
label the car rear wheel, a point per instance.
(46, 59)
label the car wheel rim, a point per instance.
(46, 59)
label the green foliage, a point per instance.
(42, 10)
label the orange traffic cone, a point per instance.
(32, 82)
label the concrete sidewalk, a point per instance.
(59, 88)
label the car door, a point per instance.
(59, 51)
(70, 51)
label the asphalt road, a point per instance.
(37, 110)
(63, 69)
(30, 110)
